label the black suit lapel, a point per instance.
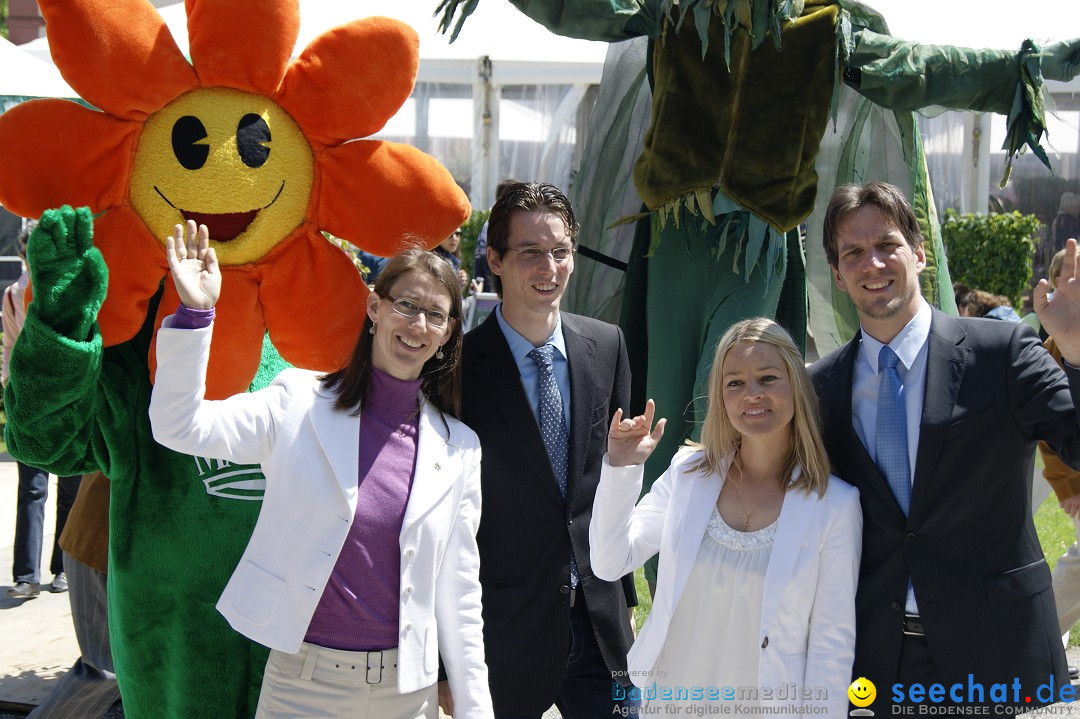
(946, 361)
(497, 373)
(579, 356)
(844, 428)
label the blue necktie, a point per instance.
(891, 444)
(553, 425)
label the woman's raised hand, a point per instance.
(631, 441)
(194, 266)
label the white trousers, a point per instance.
(321, 683)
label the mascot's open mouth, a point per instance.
(223, 226)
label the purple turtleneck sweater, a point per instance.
(359, 606)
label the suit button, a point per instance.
(909, 537)
(765, 643)
(564, 589)
(896, 606)
(570, 521)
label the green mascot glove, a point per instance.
(68, 275)
(1061, 61)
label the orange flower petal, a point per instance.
(57, 152)
(313, 300)
(351, 79)
(118, 56)
(244, 44)
(136, 265)
(375, 193)
(238, 334)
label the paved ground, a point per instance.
(39, 643)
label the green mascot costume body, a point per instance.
(263, 150)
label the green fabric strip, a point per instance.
(758, 136)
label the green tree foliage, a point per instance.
(470, 231)
(3, 18)
(991, 252)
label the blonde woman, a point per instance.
(759, 546)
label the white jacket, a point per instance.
(309, 454)
(807, 632)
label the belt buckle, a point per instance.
(379, 667)
(913, 626)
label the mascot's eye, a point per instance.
(188, 131)
(251, 135)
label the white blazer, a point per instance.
(308, 451)
(807, 632)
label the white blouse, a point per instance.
(712, 640)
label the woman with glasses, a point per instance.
(450, 250)
(759, 547)
(363, 565)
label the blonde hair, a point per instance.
(1054, 271)
(719, 438)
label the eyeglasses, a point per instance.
(536, 254)
(406, 308)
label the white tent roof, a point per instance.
(23, 75)
(980, 23)
(521, 51)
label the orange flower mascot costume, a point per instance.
(260, 149)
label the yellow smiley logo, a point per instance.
(231, 160)
(862, 692)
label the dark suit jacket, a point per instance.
(526, 527)
(968, 542)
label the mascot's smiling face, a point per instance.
(231, 160)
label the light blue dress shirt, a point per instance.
(520, 349)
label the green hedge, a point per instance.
(991, 252)
(470, 232)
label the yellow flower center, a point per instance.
(231, 160)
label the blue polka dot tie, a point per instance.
(891, 444)
(553, 425)
(552, 422)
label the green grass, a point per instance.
(641, 611)
(1056, 534)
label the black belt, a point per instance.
(913, 626)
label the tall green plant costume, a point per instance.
(257, 147)
(736, 119)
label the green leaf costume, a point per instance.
(74, 406)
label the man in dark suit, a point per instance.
(540, 387)
(935, 419)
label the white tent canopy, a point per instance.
(521, 51)
(22, 75)
(498, 47)
(986, 23)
